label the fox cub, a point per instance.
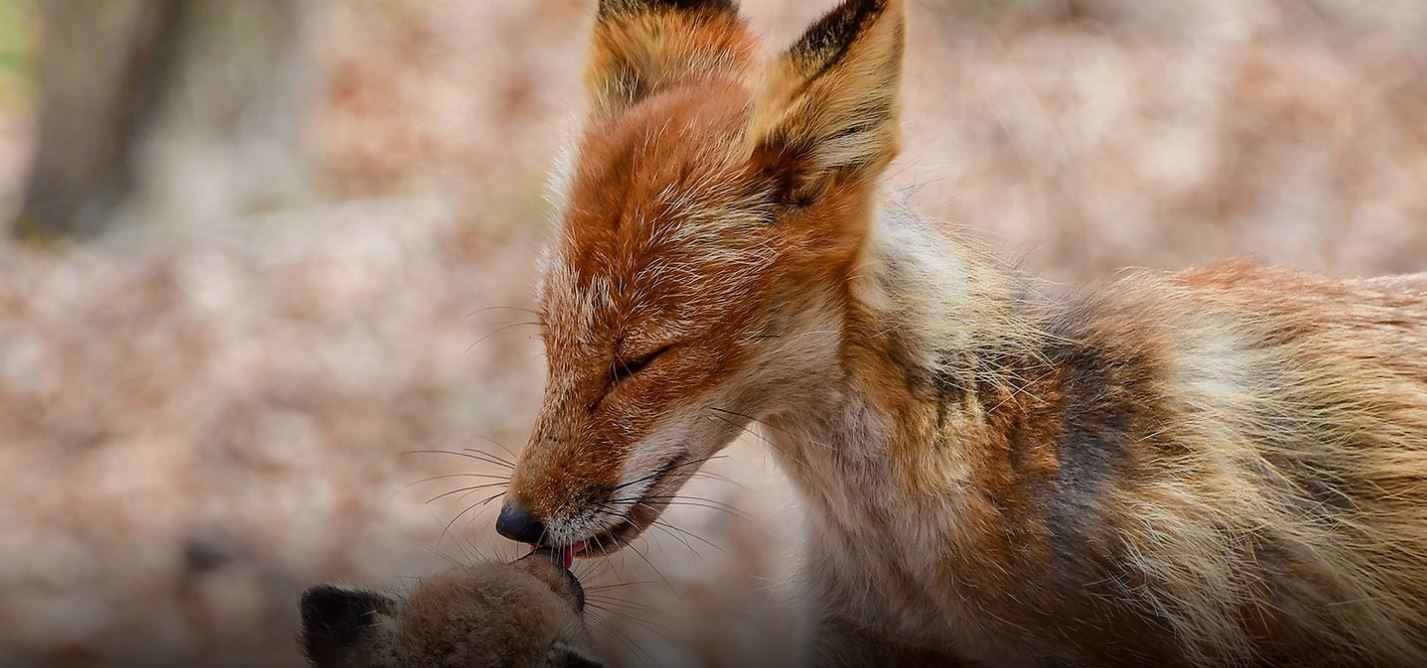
(1224, 466)
(525, 614)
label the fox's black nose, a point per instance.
(516, 522)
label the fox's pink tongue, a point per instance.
(569, 553)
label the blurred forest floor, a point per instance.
(199, 418)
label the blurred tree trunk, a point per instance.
(97, 90)
(166, 112)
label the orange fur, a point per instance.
(1226, 466)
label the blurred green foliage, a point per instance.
(17, 48)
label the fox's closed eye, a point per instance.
(623, 370)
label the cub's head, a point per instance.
(711, 225)
(519, 615)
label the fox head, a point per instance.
(710, 231)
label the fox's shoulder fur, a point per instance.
(1223, 465)
(1226, 465)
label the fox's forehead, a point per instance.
(665, 217)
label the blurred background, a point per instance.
(260, 257)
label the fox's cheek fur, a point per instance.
(592, 461)
(600, 457)
(607, 425)
(787, 361)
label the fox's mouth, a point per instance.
(641, 513)
(629, 527)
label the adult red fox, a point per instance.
(1225, 466)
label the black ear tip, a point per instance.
(577, 661)
(324, 602)
(620, 7)
(721, 5)
(829, 38)
(335, 617)
(328, 603)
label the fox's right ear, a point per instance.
(643, 46)
(346, 628)
(829, 105)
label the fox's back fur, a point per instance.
(1225, 466)
(1221, 466)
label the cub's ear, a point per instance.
(643, 46)
(829, 105)
(344, 628)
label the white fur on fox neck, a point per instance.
(938, 297)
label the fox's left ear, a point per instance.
(641, 47)
(829, 105)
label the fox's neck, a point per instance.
(933, 334)
(891, 458)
